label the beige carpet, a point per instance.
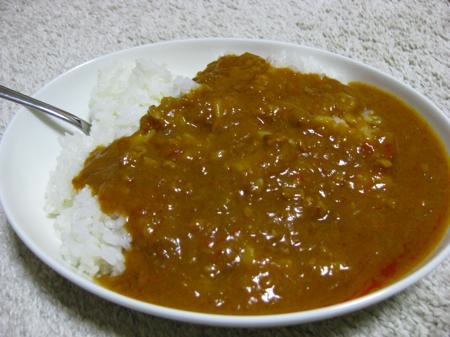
(42, 38)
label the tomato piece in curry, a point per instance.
(266, 190)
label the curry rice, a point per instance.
(265, 190)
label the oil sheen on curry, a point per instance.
(265, 190)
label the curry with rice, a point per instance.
(265, 190)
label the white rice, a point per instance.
(91, 241)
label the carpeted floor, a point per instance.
(41, 39)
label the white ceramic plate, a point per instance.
(29, 148)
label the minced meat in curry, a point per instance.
(265, 190)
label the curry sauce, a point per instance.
(265, 190)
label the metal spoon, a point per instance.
(28, 101)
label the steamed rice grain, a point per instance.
(91, 241)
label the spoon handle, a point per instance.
(30, 102)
